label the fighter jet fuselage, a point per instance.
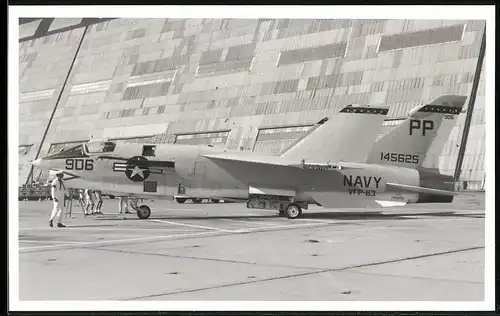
(338, 164)
(187, 168)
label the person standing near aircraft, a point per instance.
(81, 200)
(90, 202)
(58, 193)
(98, 199)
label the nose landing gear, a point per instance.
(143, 211)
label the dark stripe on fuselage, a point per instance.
(161, 164)
(151, 163)
(364, 110)
(446, 109)
(142, 163)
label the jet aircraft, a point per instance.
(339, 163)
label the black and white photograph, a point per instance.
(251, 158)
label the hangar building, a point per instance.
(247, 84)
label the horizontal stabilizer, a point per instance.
(415, 189)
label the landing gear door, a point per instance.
(270, 191)
(269, 198)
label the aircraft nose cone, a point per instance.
(37, 162)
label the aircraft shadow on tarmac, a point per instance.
(320, 215)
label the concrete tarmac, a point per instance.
(225, 252)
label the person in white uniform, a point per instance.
(58, 190)
(90, 202)
(98, 199)
(81, 201)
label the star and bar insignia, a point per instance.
(139, 168)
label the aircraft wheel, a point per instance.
(180, 200)
(293, 211)
(143, 212)
(197, 201)
(215, 201)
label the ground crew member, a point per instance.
(90, 202)
(47, 188)
(98, 199)
(81, 200)
(58, 192)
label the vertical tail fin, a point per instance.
(419, 140)
(347, 136)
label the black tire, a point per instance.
(215, 201)
(293, 211)
(197, 201)
(180, 200)
(143, 212)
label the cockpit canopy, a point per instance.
(100, 147)
(73, 152)
(81, 150)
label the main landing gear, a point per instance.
(143, 211)
(291, 211)
(286, 205)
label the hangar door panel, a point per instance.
(275, 140)
(211, 138)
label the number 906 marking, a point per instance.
(79, 164)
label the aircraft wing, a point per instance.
(416, 189)
(251, 158)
